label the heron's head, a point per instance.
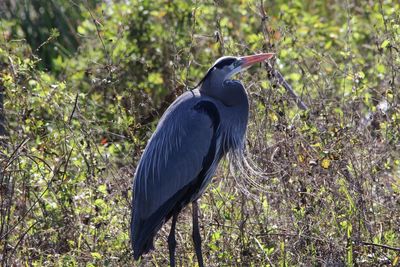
(223, 69)
(226, 67)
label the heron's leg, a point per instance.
(196, 234)
(172, 241)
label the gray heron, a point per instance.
(195, 132)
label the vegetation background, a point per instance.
(84, 82)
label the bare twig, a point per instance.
(12, 67)
(74, 108)
(275, 73)
(281, 81)
(53, 35)
(15, 153)
(98, 31)
(55, 171)
(380, 245)
(21, 238)
(191, 45)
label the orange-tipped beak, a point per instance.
(250, 60)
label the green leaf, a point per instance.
(385, 44)
(96, 255)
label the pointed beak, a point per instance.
(247, 61)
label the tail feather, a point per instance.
(143, 233)
(144, 229)
(140, 249)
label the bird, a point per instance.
(196, 131)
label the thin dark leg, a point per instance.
(196, 234)
(172, 241)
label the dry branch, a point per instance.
(281, 81)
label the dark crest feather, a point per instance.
(224, 62)
(219, 64)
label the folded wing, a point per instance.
(173, 166)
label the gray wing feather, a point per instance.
(173, 157)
